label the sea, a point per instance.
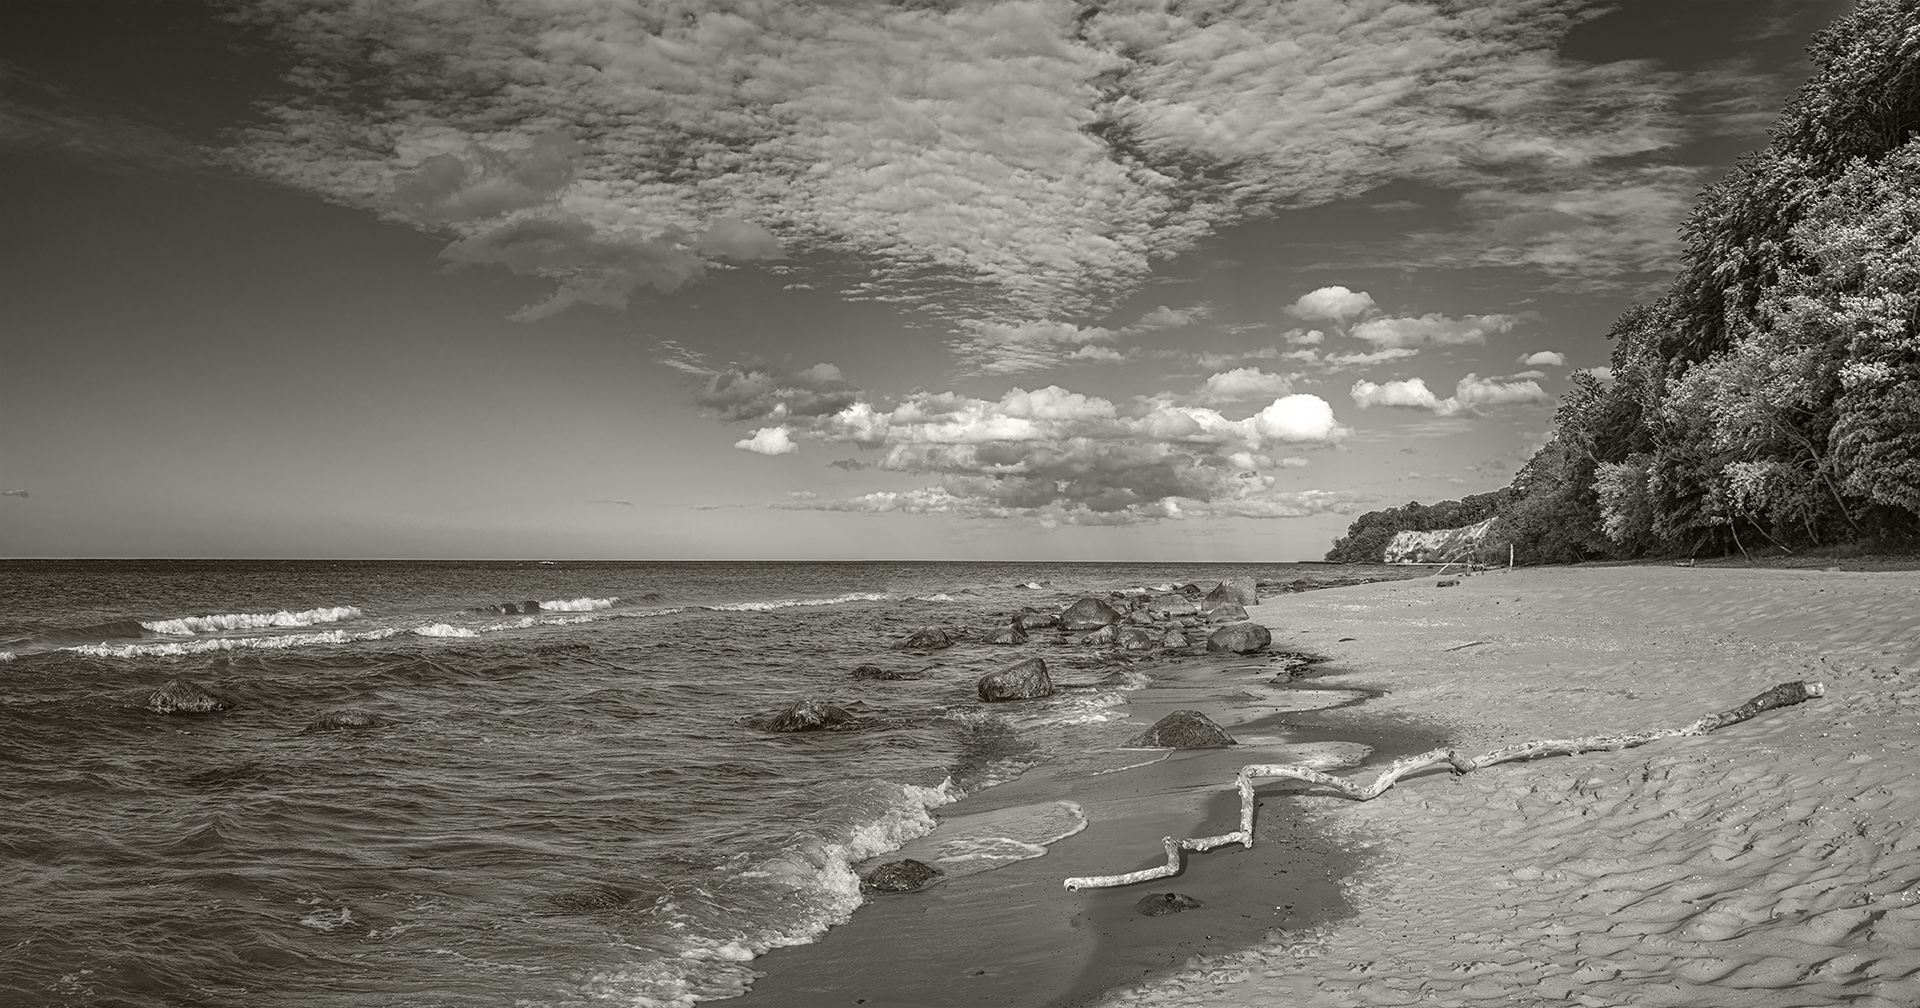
(556, 787)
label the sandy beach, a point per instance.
(1766, 864)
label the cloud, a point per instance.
(1433, 328)
(762, 392)
(1471, 393)
(985, 162)
(1340, 362)
(1053, 514)
(1335, 304)
(1244, 383)
(1303, 337)
(1164, 317)
(850, 465)
(13, 493)
(769, 441)
(1603, 373)
(622, 503)
(1012, 348)
(1059, 456)
(1543, 358)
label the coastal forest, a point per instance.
(1771, 397)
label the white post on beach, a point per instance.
(1509, 558)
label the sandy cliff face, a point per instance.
(1439, 545)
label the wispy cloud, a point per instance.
(990, 164)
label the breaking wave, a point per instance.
(579, 604)
(190, 625)
(789, 603)
(178, 648)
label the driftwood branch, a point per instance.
(1783, 695)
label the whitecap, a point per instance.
(578, 605)
(190, 625)
(173, 649)
(789, 603)
(444, 630)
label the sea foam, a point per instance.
(789, 603)
(187, 626)
(579, 604)
(174, 649)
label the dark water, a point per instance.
(559, 807)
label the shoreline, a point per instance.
(1015, 935)
(1672, 874)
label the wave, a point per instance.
(173, 649)
(814, 877)
(579, 604)
(942, 597)
(6, 656)
(789, 603)
(444, 630)
(190, 625)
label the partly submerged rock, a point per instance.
(1012, 633)
(809, 715)
(887, 675)
(904, 875)
(1036, 620)
(1161, 904)
(926, 639)
(1104, 635)
(1088, 614)
(1239, 638)
(582, 901)
(1184, 729)
(182, 696)
(1173, 605)
(1026, 680)
(1138, 638)
(345, 720)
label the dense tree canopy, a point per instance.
(1772, 396)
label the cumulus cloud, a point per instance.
(769, 441)
(1544, 358)
(763, 392)
(1469, 394)
(1059, 456)
(989, 161)
(1335, 304)
(1304, 337)
(1432, 329)
(1164, 317)
(1244, 383)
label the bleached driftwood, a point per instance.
(1783, 695)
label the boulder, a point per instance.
(1026, 680)
(1035, 621)
(1104, 635)
(1161, 904)
(1088, 614)
(1135, 638)
(1174, 638)
(1448, 583)
(1227, 612)
(1174, 605)
(904, 875)
(181, 696)
(344, 720)
(1195, 590)
(1012, 633)
(1184, 729)
(808, 715)
(886, 674)
(1239, 638)
(926, 639)
(1240, 590)
(1143, 617)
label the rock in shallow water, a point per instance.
(1184, 729)
(926, 639)
(181, 696)
(1161, 904)
(1239, 638)
(876, 672)
(1135, 638)
(345, 719)
(1027, 680)
(904, 875)
(809, 715)
(1088, 614)
(1010, 634)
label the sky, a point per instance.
(767, 279)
